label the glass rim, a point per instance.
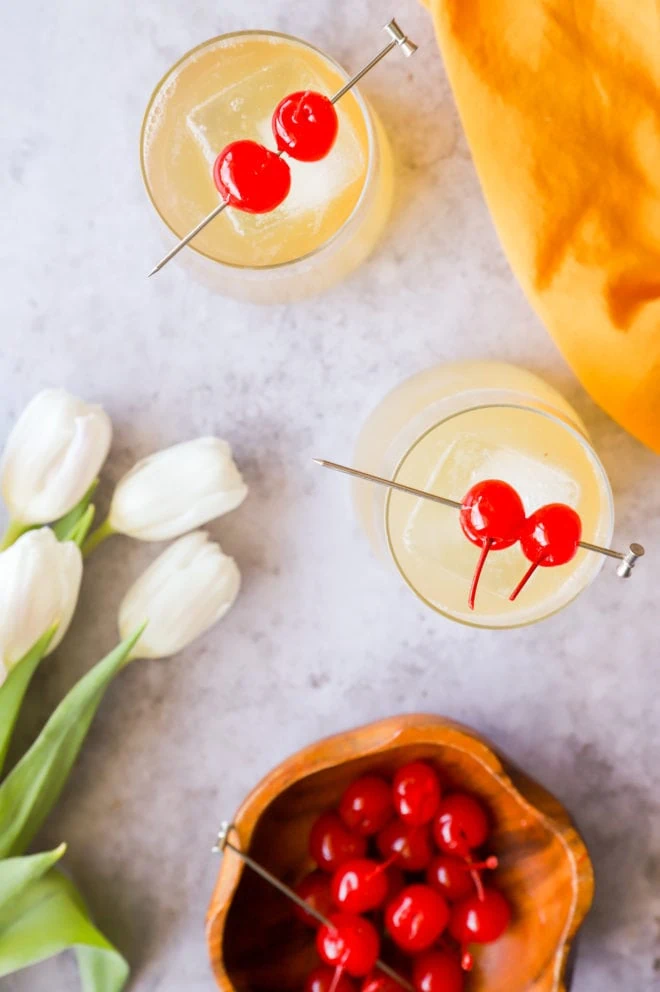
(372, 148)
(550, 414)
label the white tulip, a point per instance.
(39, 585)
(176, 490)
(52, 456)
(183, 592)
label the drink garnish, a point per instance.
(547, 536)
(304, 126)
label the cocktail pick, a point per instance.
(397, 40)
(628, 559)
(223, 843)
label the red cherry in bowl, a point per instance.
(305, 125)
(325, 979)
(479, 919)
(450, 877)
(331, 844)
(491, 516)
(359, 886)
(348, 942)
(315, 890)
(461, 824)
(549, 537)
(366, 805)
(411, 845)
(437, 971)
(416, 791)
(416, 918)
(251, 178)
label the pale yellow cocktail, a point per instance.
(225, 90)
(446, 429)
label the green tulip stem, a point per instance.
(100, 535)
(14, 530)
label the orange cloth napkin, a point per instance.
(560, 100)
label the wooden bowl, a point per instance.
(256, 946)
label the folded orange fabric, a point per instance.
(560, 100)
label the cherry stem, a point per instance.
(525, 579)
(479, 569)
(339, 971)
(490, 864)
(392, 860)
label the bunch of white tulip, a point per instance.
(49, 467)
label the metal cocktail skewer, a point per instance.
(399, 40)
(627, 559)
(223, 843)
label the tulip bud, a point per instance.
(183, 592)
(52, 456)
(176, 490)
(39, 584)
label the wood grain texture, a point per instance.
(255, 946)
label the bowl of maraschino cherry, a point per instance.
(420, 859)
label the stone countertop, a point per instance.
(322, 638)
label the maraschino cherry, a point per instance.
(492, 515)
(461, 824)
(479, 919)
(305, 125)
(366, 805)
(411, 845)
(348, 942)
(416, 791)
(416, 918)
(452, 877)
(324, 979)
(437, 971)
(251, 178)
(550, 536)
(359, 885)
(315, 890)
(331, 844)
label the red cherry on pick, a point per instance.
(359, 886)
(416, 918)
(437, 971)
(324, 979)
(416, 791)
(251, 178)
(550, 536)
(315, 890)
(305, 125)
(348, 942)
(331, 844)
(366, 805)
(461, 824)
(492, 516)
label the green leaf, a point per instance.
(78, 533)
(63, 527)
(14, 687)
(33, 786)
(17, 873)
(50, 917)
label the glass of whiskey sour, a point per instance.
(449, 428)
(226, 90)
